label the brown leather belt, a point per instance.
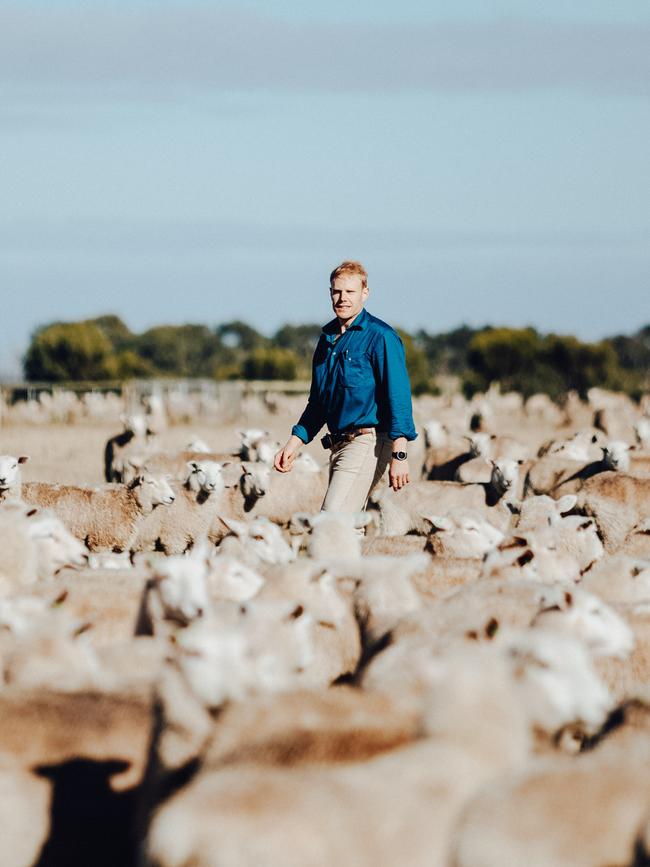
(348, 435)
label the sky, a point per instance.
(194, 161)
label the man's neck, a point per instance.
(344, 324)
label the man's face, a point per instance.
(348, 296)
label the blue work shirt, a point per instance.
(358, 381)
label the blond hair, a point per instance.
(350, 267)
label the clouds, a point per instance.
(153, 47)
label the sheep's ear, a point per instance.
(568, 599)
(239, 528)
(31, 513)
(438, 522)
(493, 462)
(594, 438)
(23, 459)
(566, 503)
(300, 521)
(192, 465)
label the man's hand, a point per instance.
(285, 457)
(398, 474)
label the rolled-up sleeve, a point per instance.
(395, 387)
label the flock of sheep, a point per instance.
(201, 669)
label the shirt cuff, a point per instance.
(410, 436)
(301, 432)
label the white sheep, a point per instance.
(332, 535)
(106, 518)
(255, 542)
(175, 593)
(10, 477)
(189, 518)
(463, 534)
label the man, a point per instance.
(360, 389)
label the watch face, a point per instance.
(401, 456)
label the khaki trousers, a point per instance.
(355, 468)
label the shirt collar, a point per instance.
(360, 322)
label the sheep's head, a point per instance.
(57, 547)
(255, 481)
(134, 423)
(180, 582)
(265, 649)
(616, 456)
(480, 445)
(261, 539)
(205, 476)
(198, 445)
(464, 535)
(151, 490)
(586, 617)
(505, 475)
(555, 680)
(435, 434)
(10, 471)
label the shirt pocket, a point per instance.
(357, 371)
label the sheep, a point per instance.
(462, 535)
(618, 503)
(249, 813)
(442, 463)
(331, 534)
(189, 518)
(254, 542)
(619, 578)
(107, 518)
(175, 593)
(555, 476)
(10, 477)
(541, 511)
(401, 512)
(568, 813)
(298, 491)
(257, 445)
(583, 446)
(535, 556)
(173, 464)
(585, 616)
(133, 439)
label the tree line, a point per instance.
(520, 359)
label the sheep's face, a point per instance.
(465, 535)
(505, 474)
(587, 618)
(266, 542)
(136, 423)
(435, 434)
(57, 547)
(266, 450)
(231, 579)
(181, 584)
(250, 440)
(480, 445)
(616, 456)
(153, 490)
(556, 681)
(10, 471)
(205, 476)
(255, 481)
(265, 651)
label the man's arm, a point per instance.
(309, 423)
(393, 377)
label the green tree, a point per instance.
(270, 363)
(179, 350)
(67, 351)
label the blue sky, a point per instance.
(198, 161)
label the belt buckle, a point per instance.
(348, 436)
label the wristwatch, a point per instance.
(400, 456)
